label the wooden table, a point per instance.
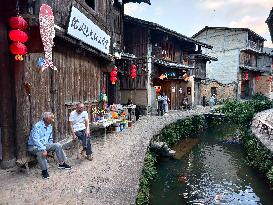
(103, 124)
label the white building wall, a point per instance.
(226, 47)
(226, 68)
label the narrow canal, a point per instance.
(209, 169)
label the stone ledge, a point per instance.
(6, 164)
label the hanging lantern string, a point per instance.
(133, 71)
(18, 37)
(113, 75)
(17, 7)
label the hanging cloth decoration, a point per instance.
(162, 76)
(46, 20)
(186, 77)
(41, 62)
(18, 36)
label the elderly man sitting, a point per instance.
(40, 142)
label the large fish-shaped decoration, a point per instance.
(46, 20)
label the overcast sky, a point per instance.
(189, 16)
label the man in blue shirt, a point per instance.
(40, 142)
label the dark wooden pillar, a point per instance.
(6, 101)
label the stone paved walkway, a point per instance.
(110, 179)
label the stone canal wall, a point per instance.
(264, 137)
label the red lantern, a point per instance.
(18, 23)
(113, 73)
(17, 35)
(246, 75)
(18, 49)
(133, 71)
(258, 77)
(133, 75)
(113, 80)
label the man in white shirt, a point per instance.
(79, 126)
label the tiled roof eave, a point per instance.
(172, 64)
(257, 69)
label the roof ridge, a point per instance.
(227, 28)
(171, 32)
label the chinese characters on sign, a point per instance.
(85, 30)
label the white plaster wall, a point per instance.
(226, 47)
(224, 70)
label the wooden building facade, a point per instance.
(83, 69)
(174, 63)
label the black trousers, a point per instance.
(161, 108)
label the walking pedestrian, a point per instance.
(212, 101)
(160, 101)
(166, 100)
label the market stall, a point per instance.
(115, 118)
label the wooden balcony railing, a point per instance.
(254, 46)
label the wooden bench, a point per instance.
(23, 163)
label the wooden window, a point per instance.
(91, 3)
(248, 59)
(168, 51)
(185, 59)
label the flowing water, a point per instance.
(208, 170)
